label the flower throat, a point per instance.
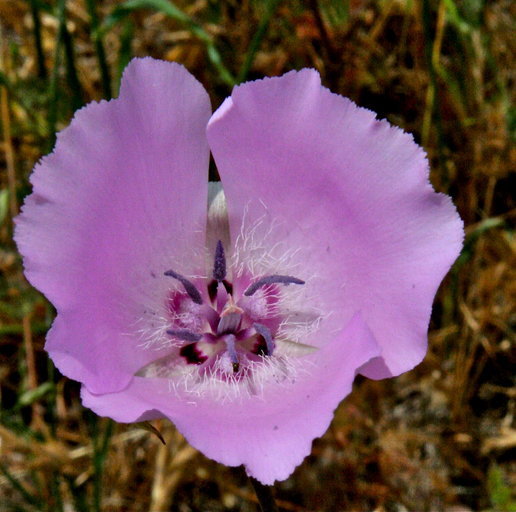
(223, 330)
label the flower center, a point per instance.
(226, 331)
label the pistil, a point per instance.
(230, 318)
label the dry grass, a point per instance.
(439, 437)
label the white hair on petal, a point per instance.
(260, 249)
(253, 382)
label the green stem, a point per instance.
(99, 49)
(71, 68)
(101, 446)
(42, 68)
(264, 495)
(270, 9)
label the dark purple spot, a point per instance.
(260, 347)
(264, 281)
(213, 286)
(192, 354)
(212, 289)
(228, 286)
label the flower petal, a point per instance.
(352, 191)
(269, 436)
(120, 200)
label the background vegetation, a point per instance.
(440, 438)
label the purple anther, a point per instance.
(266, 334)
(219, 266)
(185, 335)
(189, 287)
(264, 281)
(232, 353)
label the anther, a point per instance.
(219, 265)
(273, 279)
(189, 287)
(185, 335)
(266, 334)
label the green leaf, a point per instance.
(121, 11)
(498, 489)
(33, 395)
(452, 13)
(4, 204)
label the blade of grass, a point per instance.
(432, 53)
(170, 9)
(6, 128)
(26, 495)
(99, 49)
(100, 449)
(331, 51)
(78, 495)
(336, 12)
(71, 68)
(270, 9)
(57, 505)
(53, 97)
(40, 56)
(125, 53)
(63, 40)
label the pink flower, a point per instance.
(244, 326)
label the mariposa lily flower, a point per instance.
(240, 311)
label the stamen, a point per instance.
(189, 287)
(219, 266)
(185, 335)
(232, 353)
(266, 334)
(264, 281)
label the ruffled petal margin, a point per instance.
(269, 435)
(354, 190)
(121, 198)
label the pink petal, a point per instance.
(120, 200)
(269, 435)
(350, 190)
